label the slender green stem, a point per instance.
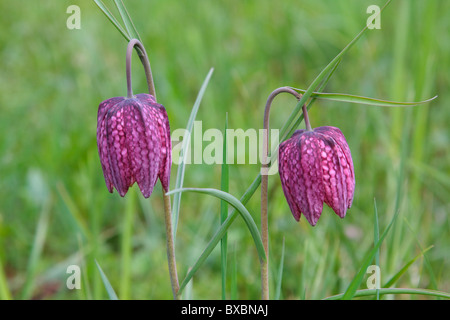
(305, 116)
(170, 247)
(145, 62)
(264, 186)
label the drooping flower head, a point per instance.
(133, 139)
(316, 166)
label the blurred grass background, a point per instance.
(55, 209)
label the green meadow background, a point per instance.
(55, 210)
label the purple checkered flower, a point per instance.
(133, 139)
(316, 166)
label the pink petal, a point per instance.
(102, 143)
(159, 114)
(333, 175)
(345, 159)
(142, 144)
(301, 175)
(116, 147)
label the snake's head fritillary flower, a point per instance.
(133, 139)
(316, 166)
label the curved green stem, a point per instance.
(147, 68)
(264, 186)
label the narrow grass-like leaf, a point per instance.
(397, 276)
(435, 173)
(112, 19)
(344, 97)
(126, 245)
(224, 186)
(86, 286)
(280, 273)
(38, 244)
(240, 208)
(426, 260)
(354, 284)
(129, 25)
(183, 153)
(317, 81)
(371, 292)
(109, 289)
(73, 210)
(251, 225)
(188, 293)
(233, 280)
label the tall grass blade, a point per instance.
(350, 98)
(240, 208)
(73, 210)
(38, 244)
(183, 153)
(280, 273)
(233, 280)
(112, 19)
(397, 276)
(129, 25)
(224, 186)
(354, 284)
(126, 246)
(109, 289)
(325, 71)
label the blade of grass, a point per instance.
(344, 97)
(224, 186)
(38, 244)
(316, 82)
(240, 208)
(233, 280)
(397, 276)
(280, 273)
(129, 25)
(426, 260)
(354, 284)
(109, 289)
(382, 291)
(73, 210)
(127, 246)
(183, 154)
(189, 292)
(86, 287)
(112, 19)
